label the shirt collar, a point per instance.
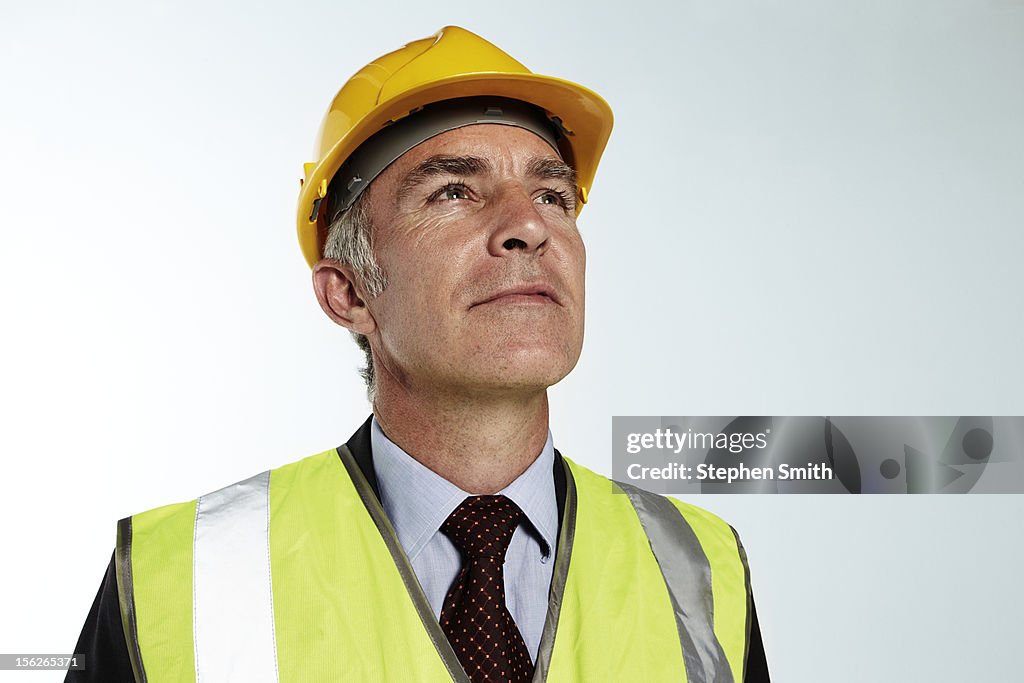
(417, 500)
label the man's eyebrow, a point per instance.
(442, 164)
(550, 167)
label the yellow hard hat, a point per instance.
(452, 63)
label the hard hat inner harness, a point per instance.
(394, 140)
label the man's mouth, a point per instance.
(526, 294)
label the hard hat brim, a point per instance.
(583, 114)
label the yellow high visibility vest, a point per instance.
(296, 575)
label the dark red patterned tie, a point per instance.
(474, 617)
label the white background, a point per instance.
(805, 208)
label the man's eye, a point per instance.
(451, 193)
(556, 197)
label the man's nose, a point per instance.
(518, 225)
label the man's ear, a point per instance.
(335, 287)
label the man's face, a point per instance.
(475, 230)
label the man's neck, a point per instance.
(480, 445)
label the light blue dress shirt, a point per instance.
(418, 501)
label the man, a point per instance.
(447, 539)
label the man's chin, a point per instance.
(524, 369)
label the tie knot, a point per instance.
(483, 525)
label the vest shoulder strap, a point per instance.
(704, 570)
(154, 568)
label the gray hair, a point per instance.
(350, 241)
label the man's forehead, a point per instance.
(493, 142)
(483, 122)
(478, 150)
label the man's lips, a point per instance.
(539, 293)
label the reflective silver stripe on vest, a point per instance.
(232, 601)
(687, 575)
